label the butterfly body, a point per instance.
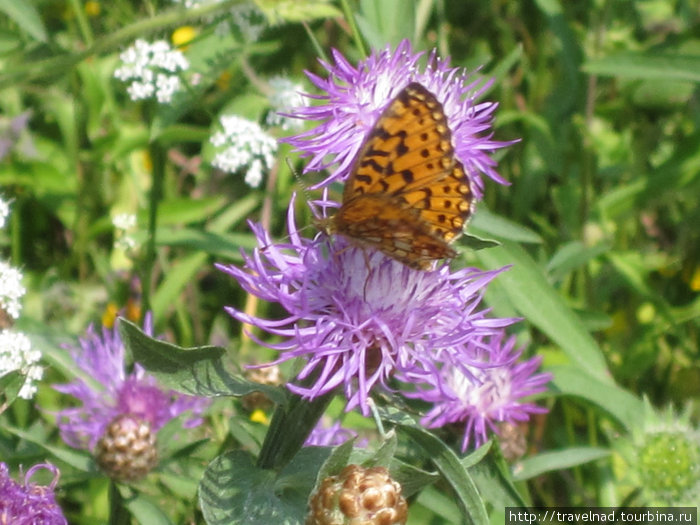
(408, 195)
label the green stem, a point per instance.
(158, 161)
(83, 24)
(291, 425)
(118, 515)
(350, 17)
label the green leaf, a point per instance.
(10, 385)
(455, 474)
(177, 278)
(557, 460)
(383, 22)
(233, 491)
(621, 404)
(279, 11)
(488, 224)
(572, 255)
(647, 65)
(25, 15)
(78, 459)
(493, 479)
(224, 245)
(440, 503)
(474, 243)
(187, 211)
(336, 461)
(145, 511)
(533, 297)
(385, 453)
(195, 371)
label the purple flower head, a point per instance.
(332, 435)
(356, 96)
(481, 396)
(356, 316)
(109, 391)
(27, 503)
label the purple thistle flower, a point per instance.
(358, 317)
(332, 435)
(481, 396)
(108, 392)
(27, 503)
(356, 96)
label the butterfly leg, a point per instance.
(369, 270)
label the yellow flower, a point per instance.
(183, 36)
(109, 315)
(92, 8)
(258, 416)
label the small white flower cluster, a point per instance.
(249, 19)
(124, 223)
(284, 98)
(189, 4)
(11, 289)
(152, 69)
(4, 212)
(243, 143)
(16, 351)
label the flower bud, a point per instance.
(358, 496)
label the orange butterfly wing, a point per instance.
(408, 195)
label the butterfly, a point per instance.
(408, 195)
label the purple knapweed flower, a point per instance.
(481, 396)
(107, 391)
(27, 503)
(356, 96)
(358, 317)
(324, 435)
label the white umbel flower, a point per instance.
(283, 99)
(11, 289)
(153, 70)
(16, 353)
(4, 212)
(243, 144)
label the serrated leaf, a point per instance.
(233, 491)
(196, 371)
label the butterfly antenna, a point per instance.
(301, 183)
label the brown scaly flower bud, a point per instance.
(127, 450)
(270, 375)
(513, 441)
(358, 496)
